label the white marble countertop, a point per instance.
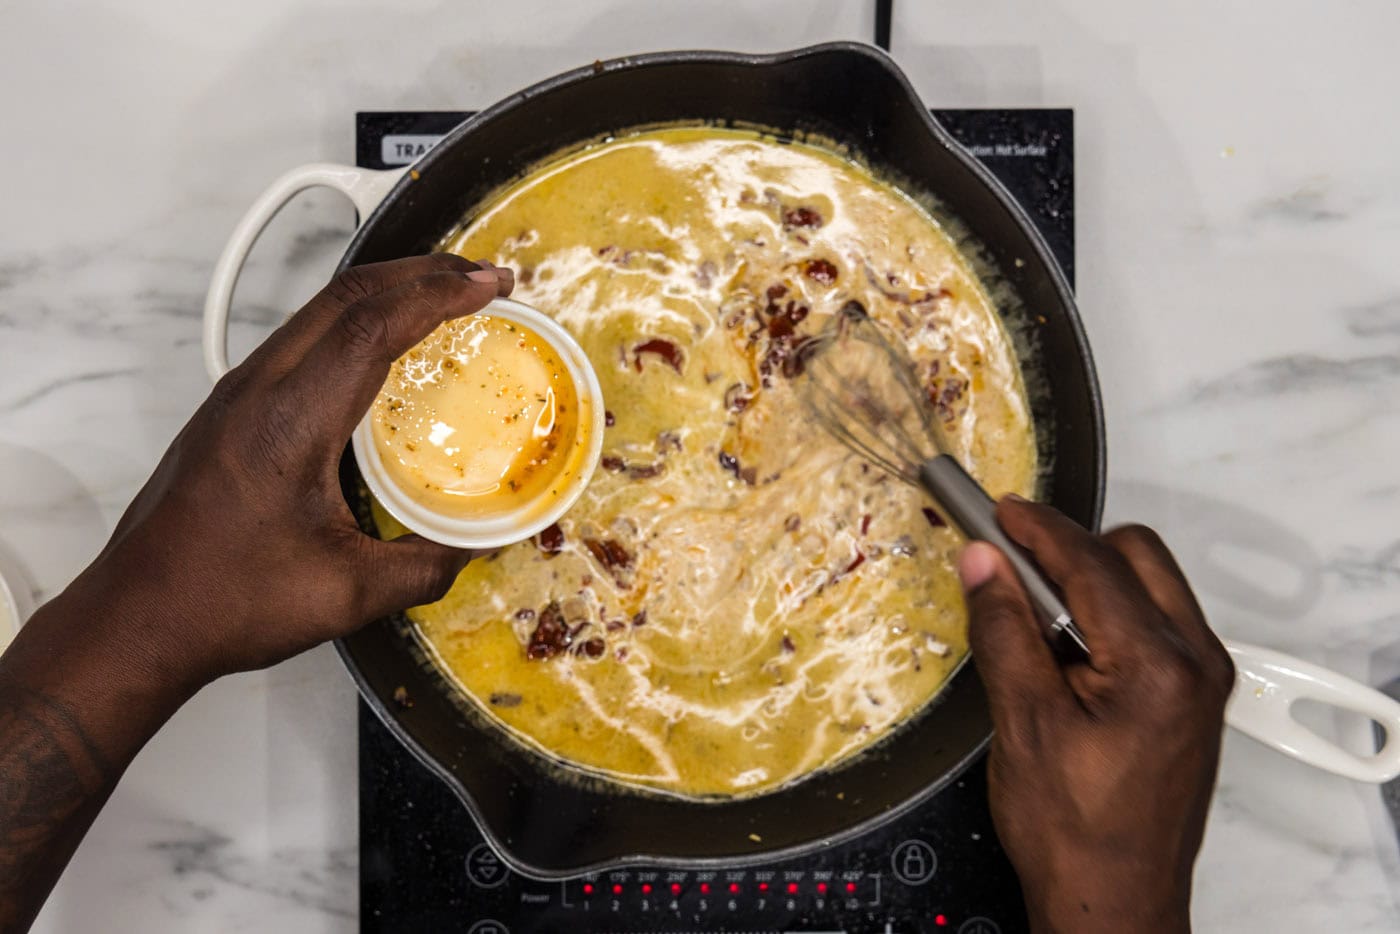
(1238, 219)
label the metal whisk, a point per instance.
(861, 386)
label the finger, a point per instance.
(347, 367)
(1156, 567)
(1017, 665)
(1108, 602)
(290, 343)
(1058, 542)
(406, 572)
(506, 283)
(506, 274)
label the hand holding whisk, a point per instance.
(862, 387)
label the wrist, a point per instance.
(82, 666)
(115, 623)
(1090, 909)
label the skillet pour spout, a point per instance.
(549, 822)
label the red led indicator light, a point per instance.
(763, 886)
(646, 888)
(704, 888)
(675, 888)
(588, 888)
(792, 888)
(617, 888)
(940, 920)
(851, 887)
(733, 888)
(821, 887)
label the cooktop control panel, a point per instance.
(425, 867)
(854, 893)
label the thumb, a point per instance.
(1017, 666)
(409, 571)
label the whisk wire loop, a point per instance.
(863, 388)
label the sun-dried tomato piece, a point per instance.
(820, 270)
(662, 348)
(799, 353)
(737, 398)
(609, 553)
(783, 342)
(783, 323)
(801, 217)
(855, 563)
(731, 463)
(946, 394)
(551, 635)
(550, 540)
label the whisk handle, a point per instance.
(974, 512)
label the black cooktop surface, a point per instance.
(424, 867)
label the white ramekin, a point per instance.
(531, 517)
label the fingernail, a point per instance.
(485, 263)
(977, 565)
(482, 275)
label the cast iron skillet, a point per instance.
(545, 821)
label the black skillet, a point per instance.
(547, 821)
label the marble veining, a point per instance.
(1360, 568)
(1311, 204)
(1296, 374)
(1375, 319)
(201, 860)
(1238, 207)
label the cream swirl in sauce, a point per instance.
(736, 600)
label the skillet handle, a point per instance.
(364, 187)
(1268, 683)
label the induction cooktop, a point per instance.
(424, 866)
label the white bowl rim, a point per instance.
(528, 519)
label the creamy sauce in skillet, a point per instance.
(736, 600)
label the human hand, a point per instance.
(241, 545)
(1100, 773)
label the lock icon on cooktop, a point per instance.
(914, 862)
